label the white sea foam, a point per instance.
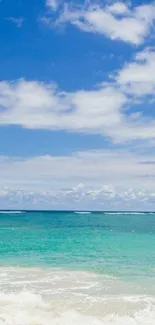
(30, 309)
(45, 296)
(11, 212)
(82, 212)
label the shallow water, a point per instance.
(70, 268)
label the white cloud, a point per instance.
(97, 199)
(107, 110)
(84, 179)
(138, 77)
(37, 105)
(52, 4)
(118, 8)
(17, 21)
(116, 21)
(120, 168)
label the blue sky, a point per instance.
(77, 96)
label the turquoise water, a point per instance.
(117, 244)
(65, 268)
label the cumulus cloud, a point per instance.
(104, 110)
(99, 199)
(117, 21)
(40, 105)
(138, 77)
(105, 198)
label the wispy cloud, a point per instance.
(93, 168)
(18, 21)
(102, 179)
(117, 21)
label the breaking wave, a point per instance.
(11, 212)
(82, 212)
(27, 308)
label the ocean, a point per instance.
(77, 268)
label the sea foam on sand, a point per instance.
(29, 309)
(45, 296)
